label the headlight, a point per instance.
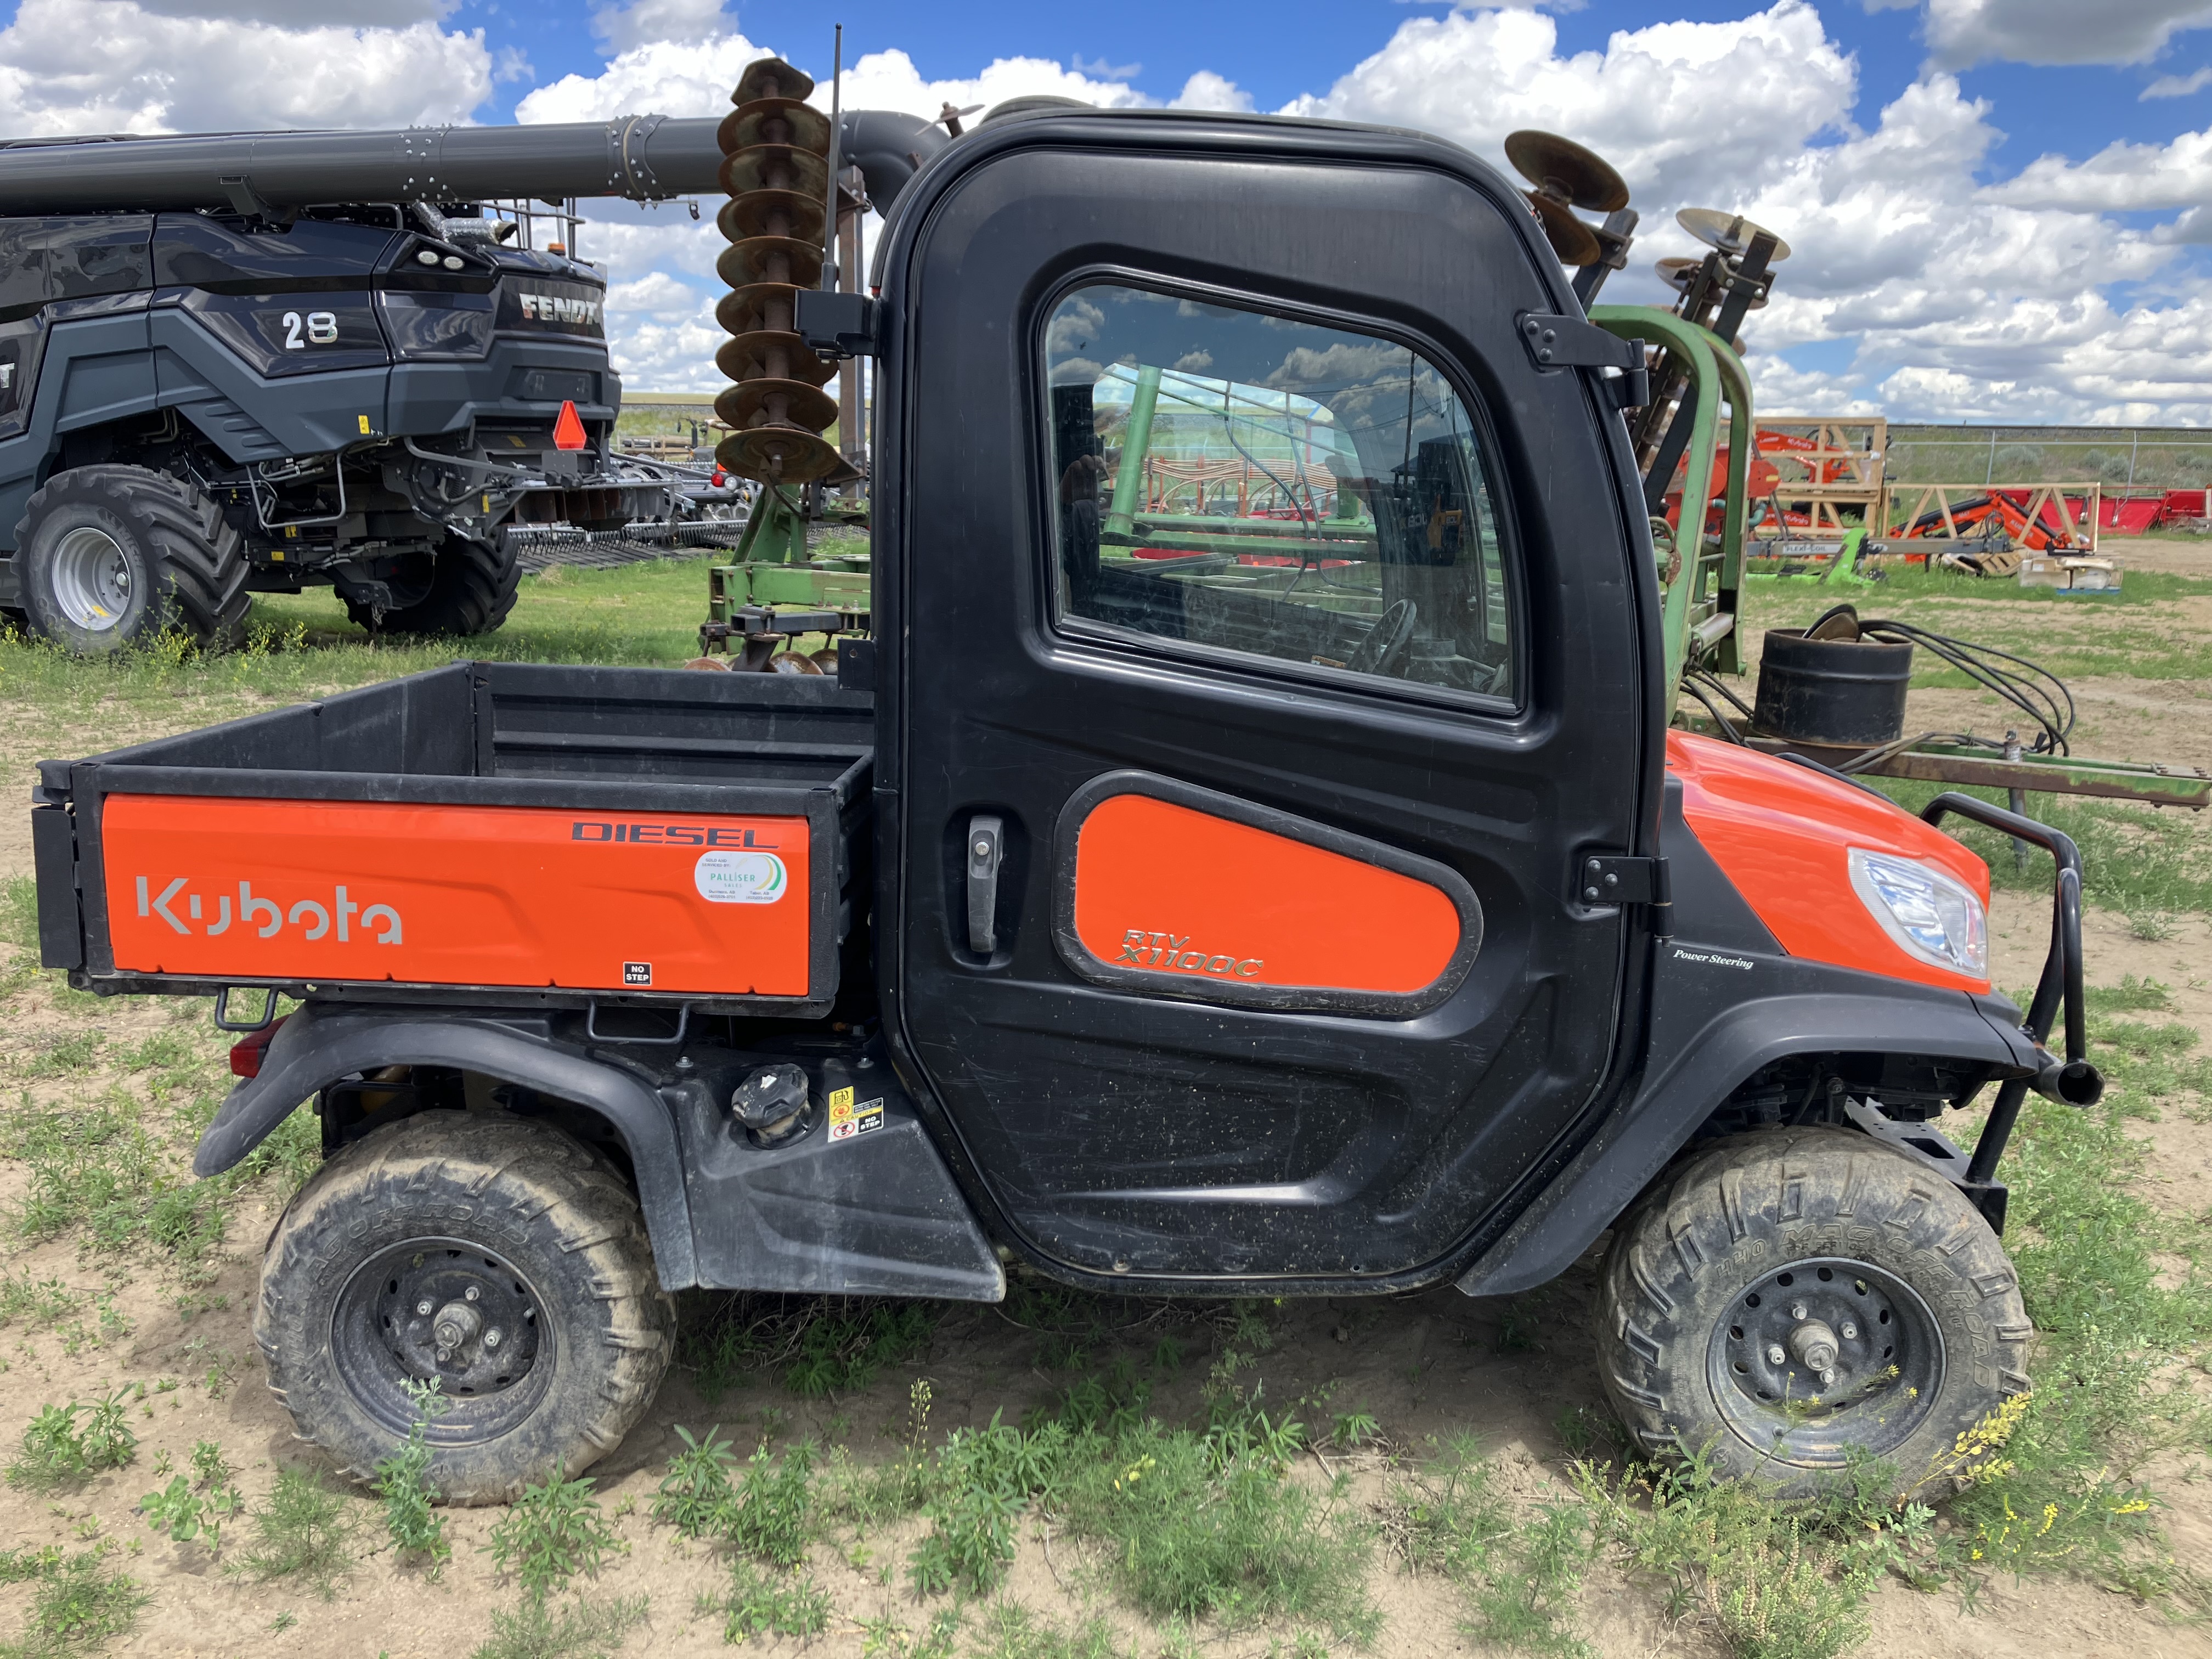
(1924, 910)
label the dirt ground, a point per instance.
(1426, 1367)
(1430, 1365)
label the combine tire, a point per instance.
(500, 1257)
(1786, 1300)
(467, 587)
(108, 555)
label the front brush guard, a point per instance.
(2072, 1081)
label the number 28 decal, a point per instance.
(322, 328)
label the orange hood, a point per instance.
(1782, 833)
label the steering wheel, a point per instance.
(1385, 641)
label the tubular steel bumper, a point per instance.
(2072, 1081)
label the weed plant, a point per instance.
(304, 1531)
(1521, 1572)
(80, 1605)
(1007, 1629)
(696, 1490)
(416, 1528)
(767, 1512)
(551, 1533)
(59, 1450)
(582, 1629)
(770, 1603)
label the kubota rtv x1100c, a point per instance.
(1171, 901)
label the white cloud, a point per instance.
(645, 21)
(1964, 32)
(2176, 86)
(1958, 299)
(1688, 110)
(1206, 90)
(1777, 388)
(305, 14)
(2119, 177)
(114, 66)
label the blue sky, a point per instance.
(1991, 219)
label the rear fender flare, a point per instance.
(317, 1046)
(1696, 1058)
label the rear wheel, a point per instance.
(108, 555)
(1789, 1300)
(466, 586)
(499, 1257)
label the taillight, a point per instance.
(569, 430)
(721, 479)
(245, 1054)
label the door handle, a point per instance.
(985, 849)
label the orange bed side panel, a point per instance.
(1164, 887)
(249, 889)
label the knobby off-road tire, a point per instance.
(1750, 1247)
(468, 587)
(496, 1224)
(108, 555)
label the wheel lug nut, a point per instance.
(1850, 1331)
(472, 1293)
(492, 1338)
(426, 1307)
(1796, 1310)
(1775, 1355)
(1826, 1379)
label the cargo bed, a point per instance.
(528, 834)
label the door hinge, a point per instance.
(837, 324)
(1561, 341)
(1602, 879)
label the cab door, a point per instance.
(1261, 648)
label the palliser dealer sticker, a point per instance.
(739, 877)
(846, 1119)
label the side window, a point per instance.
(1232, 480)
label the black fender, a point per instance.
(859, 1203)
(320, 1043)
(1718, 1015)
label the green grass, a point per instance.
(2137, 632)
(2141, 861)
(822, 1346)
(304, 1531)
(80, 1605)
(1008, 1629)
(582, 1629)
(1521, 1569)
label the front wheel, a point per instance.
(107, 556)
(497, 1257)
(1789, 1302)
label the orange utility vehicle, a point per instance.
(1341, 922)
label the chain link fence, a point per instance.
(2122, 458)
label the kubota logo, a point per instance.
(1168, 953)
(268, 917)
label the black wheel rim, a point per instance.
(1886, 1370)
(493, 1377)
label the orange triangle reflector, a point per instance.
(569, 430)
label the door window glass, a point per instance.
(1230, 480)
